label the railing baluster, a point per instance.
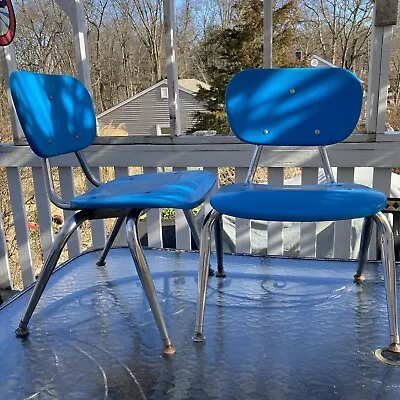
(5, 273)
(243, 226)
(311, 244)
(381, 181)
(153, 220)
(20, 224)
(68, 192)
(97, 226)
(120, 240)
(342, 235)
(44, 211)
(275, 229)
(121, 172)
(182, 231)
(207, 207)
(308, 230)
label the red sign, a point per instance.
(7, 22)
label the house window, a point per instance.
(164, 93)
(162, 130)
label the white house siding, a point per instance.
(141, 115)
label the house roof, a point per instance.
(190, 86)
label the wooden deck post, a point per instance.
(9, 65)
(385, 15)
(172, 68)
(268, 32)
(74, 11)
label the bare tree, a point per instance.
(44, 40)
(95, 14)
(145, 17)
(338, 30)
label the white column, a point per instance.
(9, 65)
(75, 12)
(268, 31)
(172, 68)
(379, 64)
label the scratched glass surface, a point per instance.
(275, 329)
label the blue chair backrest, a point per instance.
(293, 106)
(56, 112)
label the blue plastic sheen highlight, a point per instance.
(184, 190)
(298, 203)
(55, 111)
(57, 116)
(293, 106)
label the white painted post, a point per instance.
(182, 231)
(308, 230)
(275, 228)
(121, 238)
(21, 225)
(172, 68)
(243, 226)
(153, 220)
(74, 11)
(67, 187)
(381, 181)
(268, 31)
(97, 226)
(5, 272)
(44, 211)
(379, 65)
(9, 65)
(343, 229)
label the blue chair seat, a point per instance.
(57, 115)
(299, 107)
(325, 202)
(184, 190)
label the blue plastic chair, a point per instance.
(299, 107)
(57, 116)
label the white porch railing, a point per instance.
(378, 151)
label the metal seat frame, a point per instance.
(389, 354)
(58, 117)
(132, 218)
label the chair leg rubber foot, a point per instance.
(389, 355)
(359, 278)
(220, 273)
(101, 263)
(211, 271)
(169, 350)
(198, 337)
(22, 330)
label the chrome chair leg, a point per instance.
(110, 241)
(143, 271)
(219, 247)
(194, 230)
(390, 354)
(364, 245)
(205, 249)
(61, 239)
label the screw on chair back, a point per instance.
(57, 116)
(300, 107)
(293, 106)
(55, 111)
